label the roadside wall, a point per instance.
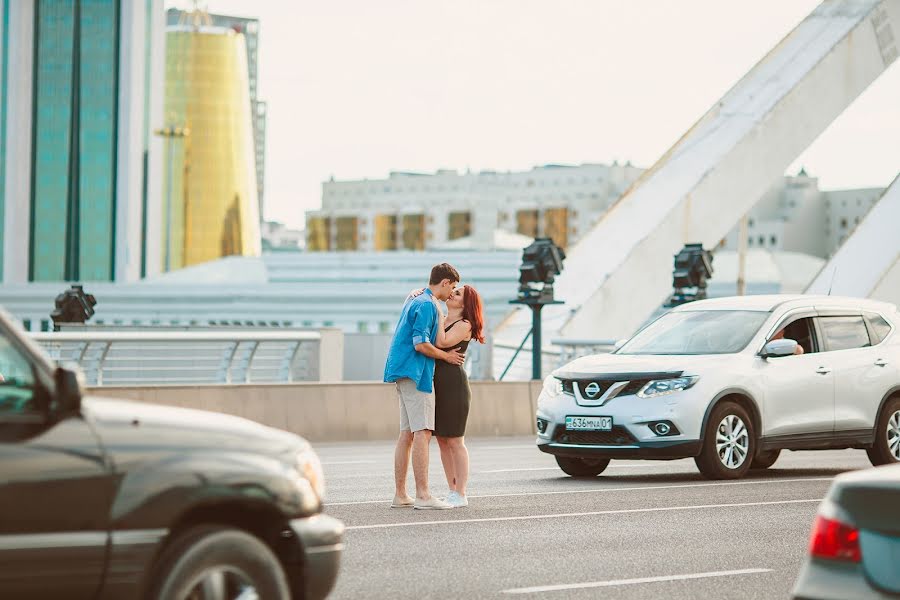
(337, 412)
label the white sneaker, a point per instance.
(431, 504)
(457, 500)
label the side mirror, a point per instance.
(69, 381)
(777, 348)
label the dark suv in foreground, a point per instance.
(111, 499)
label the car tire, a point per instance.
(765, 459)
(582, 467)
(886, 449)
(726, 454)
(215, 556)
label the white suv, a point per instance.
(732, 382)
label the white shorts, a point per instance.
(416, 407)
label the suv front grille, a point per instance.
(633, 387)
(619, 436)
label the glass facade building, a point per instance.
(77, 175)
(75, 119)
(210, 207)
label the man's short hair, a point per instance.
(441, 272)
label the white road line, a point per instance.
(615, 489)
(651, 466)
(616, 582)
(582, 514)
(349, 462)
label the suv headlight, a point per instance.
(662, 387)
(552, 385)
(310, 467)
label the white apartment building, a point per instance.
(796, 216)
(413, 211)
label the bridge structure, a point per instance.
(619, 273)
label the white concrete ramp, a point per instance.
(867, 265)
(621, 271)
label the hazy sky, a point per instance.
(358, 88)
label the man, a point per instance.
(410, 365)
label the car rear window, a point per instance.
(879, 326)
(844, 333)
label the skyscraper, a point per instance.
(76, 169)
(210, 205)
(249, 27)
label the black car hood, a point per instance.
(126, 427)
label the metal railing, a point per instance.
(570, 349)
(186, 357)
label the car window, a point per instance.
(801, 331)
(17, 382)
(844, 333)
(879, 327)
(697, 332)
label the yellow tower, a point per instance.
(210, 207)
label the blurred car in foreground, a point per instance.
(854, 549)
(111, 499)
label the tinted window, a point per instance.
(16, 380)
(844, 333)
(880, 327)
(697, 332)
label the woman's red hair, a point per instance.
(473, 312)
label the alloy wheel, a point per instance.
(222, 583)
(732, 441)
(893, 435)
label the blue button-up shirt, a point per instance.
(418, 324)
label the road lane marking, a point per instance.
(350, 462)
(614, 489)
(557, 468)
(583, 514)
(640, 580)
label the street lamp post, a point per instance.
(170, 134)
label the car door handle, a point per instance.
(880, 363)
(823, 370)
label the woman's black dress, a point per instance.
(451, 395)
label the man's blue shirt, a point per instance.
(418, 324)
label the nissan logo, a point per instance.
(592, 389)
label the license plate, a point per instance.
(589, 423)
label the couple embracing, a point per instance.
(425, 362)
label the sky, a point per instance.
(359, 88)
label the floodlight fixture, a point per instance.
(693, 266)
(73, 306)
(542, 261)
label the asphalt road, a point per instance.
(641, 530)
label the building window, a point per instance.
(556, 225)
(386, 232)
(527, 223)
(318, 234)
(347, 233)
(414, 232)
(773, 240)
(459, 225)
(762, 241)
(843, 222)
(384, 327)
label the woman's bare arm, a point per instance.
(460, 332)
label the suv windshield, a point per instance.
(697, 332)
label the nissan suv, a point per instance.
(731, 382)
(111, 499)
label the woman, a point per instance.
(464, 322)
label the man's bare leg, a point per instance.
(420, 463)
(401, 464)
(448, 462)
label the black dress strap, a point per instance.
(447, 328)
